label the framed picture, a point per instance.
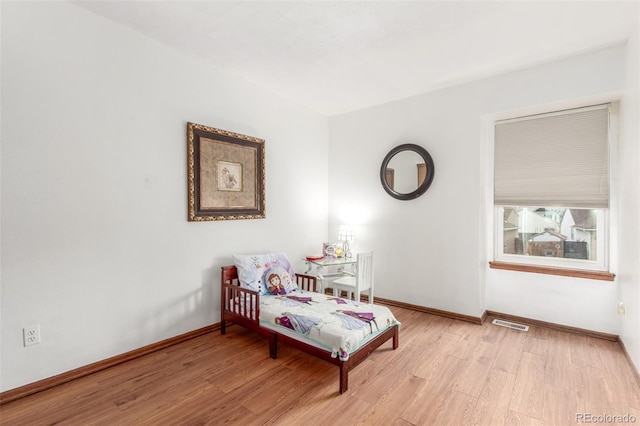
(229, 176)
(329, 250)
(332, 250)
(226, 175)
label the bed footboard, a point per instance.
(307, 282)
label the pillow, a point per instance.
(278, 280)
(253, 271)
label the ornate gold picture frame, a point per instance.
(226, 175)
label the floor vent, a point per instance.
(511, 325)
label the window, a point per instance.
(551, 189)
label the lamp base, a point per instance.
(346, 249)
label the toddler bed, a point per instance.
(286, 309)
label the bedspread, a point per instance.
(336, 324)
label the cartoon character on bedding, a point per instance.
(275, 284)
(278, 280)
(299, 323)
(352, 320)
(300, 299)
(287, 302)
(341, 354)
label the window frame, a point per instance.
(607, 225)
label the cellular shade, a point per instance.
(559, 159)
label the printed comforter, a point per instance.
(336, 324)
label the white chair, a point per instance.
(362, 281)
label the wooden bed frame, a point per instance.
(237, 307)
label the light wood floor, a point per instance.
(445, 372)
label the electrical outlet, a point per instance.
(31, 335)
(621, 309)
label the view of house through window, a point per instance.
(551, 232)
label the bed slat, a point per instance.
(307, 282)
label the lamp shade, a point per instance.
(345, 233)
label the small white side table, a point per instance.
(323, 269)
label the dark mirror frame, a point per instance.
(428, 161)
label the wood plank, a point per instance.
(511, 348)
(444, 372)
(528, 391)
(492, 407)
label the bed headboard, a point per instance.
(229, 275)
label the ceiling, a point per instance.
(339, 56)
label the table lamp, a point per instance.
(346, 235)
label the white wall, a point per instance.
(434, 251)
(629, 248)
(96, 247)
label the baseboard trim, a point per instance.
(636, 374)
(17, 393)
(559, 327)
(39, 386)
(567, 329)
(446, 314)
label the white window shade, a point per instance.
(557, 159)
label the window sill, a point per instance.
(576, 273)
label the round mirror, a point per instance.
(407, 171)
